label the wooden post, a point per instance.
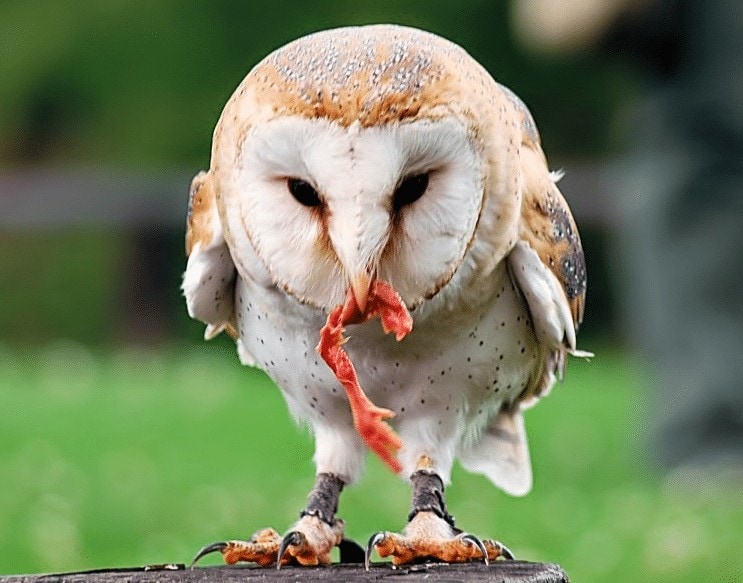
(500, 572)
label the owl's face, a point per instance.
(363, 153)
(326, 207)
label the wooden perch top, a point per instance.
(501, 572)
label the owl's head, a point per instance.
(362, 153)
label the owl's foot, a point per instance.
(309, 541)
(430, 538)
(262, 548)
(430, 534)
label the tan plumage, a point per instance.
(386, 152)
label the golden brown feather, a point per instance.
(548, 226)
(201, 203)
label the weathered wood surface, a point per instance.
(499, 572)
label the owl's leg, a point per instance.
(430, 534)
(308, 542)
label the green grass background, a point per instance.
(131, 456)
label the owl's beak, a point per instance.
(360, 284)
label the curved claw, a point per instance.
(374, 540)
(472, 539)
(505, 552)
(210, 548)
(293, 538)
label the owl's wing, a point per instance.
(209, 281)
(548, 268)
(547, 262)
(502, 453)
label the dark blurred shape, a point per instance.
(151, 278)
(681, 187)
(652, 36)
(684, 244)
(91, 255)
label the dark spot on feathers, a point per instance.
(572, 262)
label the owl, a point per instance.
(381, 171)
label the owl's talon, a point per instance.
(472, 539)
(208, 549)
(502, 549)
(293, 538)
(374, 540)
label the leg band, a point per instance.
(322, 501)
(428, 495)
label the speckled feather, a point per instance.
(489, 335)
(373, 75)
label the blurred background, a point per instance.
(126, 440)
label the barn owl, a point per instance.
(374, 164)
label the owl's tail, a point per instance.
(502, 453)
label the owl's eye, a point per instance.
(409, 190)
(303, 192)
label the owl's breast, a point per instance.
(278, 334)
(462, 362)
